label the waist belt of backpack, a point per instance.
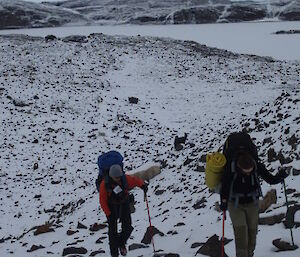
(237, 196)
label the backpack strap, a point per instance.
(107, 181)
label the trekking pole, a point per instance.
(287, 205)
(223, 232)
(151, 228)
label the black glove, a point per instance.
(145, 188)
(223, 205)
(283, 173)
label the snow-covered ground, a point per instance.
(64, 103)
(248, 38)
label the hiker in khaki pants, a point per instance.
(244, 219)
(240, 193)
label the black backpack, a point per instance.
(236, 143)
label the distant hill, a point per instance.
(20, 14)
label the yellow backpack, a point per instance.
(215, 165)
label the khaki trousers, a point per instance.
(244, 219)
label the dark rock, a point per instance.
(81, 226)
(291, 12)
(46, 228)
(291, 31)
(271, 220)
(195, 245)
(179, 224)
(284, 160)
(272, 156)
(237, 13)
(179, 141)
(200, 203)
(290, 216)
(159, 192)
(55, 182)
(35, 141)
(71, 232)
(35, 247)
(137, 246)
(283, 246)
(196, 15)
(212, 247)
(75, 39)
(97, 252)
(203, 158)
(74, 250)
(35, 166)
(133, 100)
(200, 168)
(187, 161)
(96, 227)
(293, 141)
(50, 38)
(151, 231)
(295, 172)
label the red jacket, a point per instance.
(104, 195)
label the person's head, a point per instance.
(115, 172)
(245, 163)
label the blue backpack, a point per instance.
(105, 161)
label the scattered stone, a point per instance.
(272, 156)
(151, 231)
(35, 247)
(137, 246)
(35, 166)
(212, 247)
(96, 227)
(291, 31)
(71, 232)
(46, 228)
(195, 245)
(283, 246)
(74, 250)
(179, 141)
(133, 100)
(296, 172)
(290, 216)
(271, 220)
(75, 39)
(200, 203)
(269, 199)
(50, 38)
(97, 252)
(81, 226)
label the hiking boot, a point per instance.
(115, 255)
(123, 251)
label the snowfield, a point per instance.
(64, 103)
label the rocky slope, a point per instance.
(19, 14)
(63, 102)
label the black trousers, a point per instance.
(117, 240)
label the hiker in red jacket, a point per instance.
(114, 202)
